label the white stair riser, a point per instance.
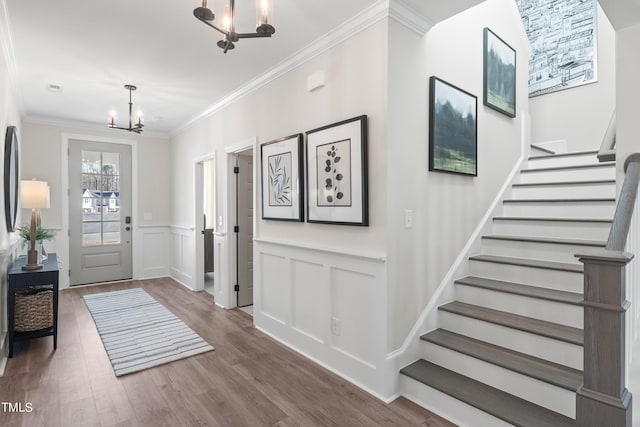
(446, 406)
(576, 159)
(600, 210)
(559, 229)
(545, 348)
(541, 393)
(551, 311)
(535, 250)
(595, 173)
(565, 191)
(553, 279)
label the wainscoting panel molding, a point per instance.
(327, 305)
(182, 257)
(8, 252)
(154, 258)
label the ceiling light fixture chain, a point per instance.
(264, 28)
(135, 124)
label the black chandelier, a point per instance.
(263, 27)
(135, 123)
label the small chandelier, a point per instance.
(135, 123)
(264, 14)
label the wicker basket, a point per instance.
(33, 310)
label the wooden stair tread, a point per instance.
(569, 167)
(524, 290)
(543, 370)
(527, 324)
(552, 183)
(526, 262)
(505, 406)
(595, 200)
(525, 218)
(569, 154)
(551, 240)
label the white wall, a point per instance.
(41, 158)
(580, 115)
(305, 274)
(355, 73)
(9, 116)
(447, 208)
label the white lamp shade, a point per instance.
(34, 194)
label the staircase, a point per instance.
(509, 347)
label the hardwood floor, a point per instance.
(248, 380)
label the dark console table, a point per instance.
(20, 279)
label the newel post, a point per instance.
(603, 399)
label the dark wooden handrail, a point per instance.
(624, 209)
(603, 398)
(607, 151)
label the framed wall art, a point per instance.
(282, 182)
(337, 173)
(453, 129)
(563, 38)
(499, 74)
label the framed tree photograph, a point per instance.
(282, 182)
(337, 173)
(499, 74)
(453, 129)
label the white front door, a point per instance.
(99, 212)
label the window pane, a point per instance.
(111, 232)
(91, 235)
(90, 209)
(111, 210)
(110, 163)
(91, 162)
(91, 182)
(111, 183)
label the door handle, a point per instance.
(127, 228)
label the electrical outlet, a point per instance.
(336, 326)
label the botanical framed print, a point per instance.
(337, 173)
(453, 129)
(499, 74)
(282, 186)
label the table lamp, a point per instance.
(34, 195)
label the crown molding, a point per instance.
(368, 17)
(403, 12)
(86, 126)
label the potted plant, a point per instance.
(42, 234)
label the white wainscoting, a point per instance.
(8, 252)
(182, 257)
(328, 305)
(152, 260)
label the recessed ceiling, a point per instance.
(92, 49)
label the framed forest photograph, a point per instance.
(453, 129)
(499, 74)
(282, 186)
(337, 173)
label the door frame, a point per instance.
(228, 294)
(62, 240)
(198, 202)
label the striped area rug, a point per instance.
(138, 332)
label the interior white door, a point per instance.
(244, 214)
(99, 212)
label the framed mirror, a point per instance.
(11, 177)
